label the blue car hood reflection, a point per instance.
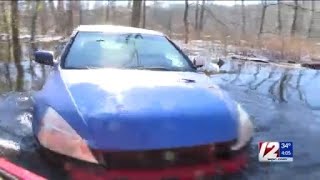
(140, 109)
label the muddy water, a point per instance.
(283, 102)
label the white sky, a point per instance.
(219, 2)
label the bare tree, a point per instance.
(186, 23)
(196, 18)
(36, 8)
(313, 6)
(33, 30)
(113, 11)
(136, 12)
(155, 7)
(15, 31)
(70, 17)
(202, 15)
(243, 29)
(60, 6)
(295, 15)
(280, 28)
(279, 18)
(108, 11)
(6, 28)
(7, 31)
(76, 12)
(43, 15)
(144, 14)
(263, 14)
(129, 4)
(169, 26)
(16, 44)
(53, 12)
(80, 13)
(61, 16)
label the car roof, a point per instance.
(116, 29)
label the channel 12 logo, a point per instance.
(275, 151)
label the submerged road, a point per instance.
(283, 102)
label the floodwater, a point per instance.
(284, 103)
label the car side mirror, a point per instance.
(199, 61)
(210, 69)
(206, 66)
(44, 57)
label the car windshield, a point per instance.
(128, 51)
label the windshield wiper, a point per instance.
(154, 68)
(157, 68)
(84, 67)
(93, 67)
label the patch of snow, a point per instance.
(9, 145)
(49, 38)
(242, 57)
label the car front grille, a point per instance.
(157, 159)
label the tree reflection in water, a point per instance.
(283, 84)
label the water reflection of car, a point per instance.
(128, 102)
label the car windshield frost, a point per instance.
(129, 51)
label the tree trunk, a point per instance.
(186, 23)
(80, 13)
(279, 18)
(61, 5)
(136, 12)
(170, 23)
(264, 8)
(196, 18)
(201, 22)
(280, 29)
(53, 12)
(70, 17)
(76, 13)
(33, 31)
(43, 18)
(7, 31)
(36, 7)
(129, 4)
(144, 14)
(243, 29)
(16, 44)
(313, 6)
(61, 16)
(15, 31)
(156, 5)
(108, 12)
(294, 22)
(113, 11)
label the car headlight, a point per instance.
(57, 135)
(245, 130)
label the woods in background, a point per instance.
(279, 30)
(271, 24)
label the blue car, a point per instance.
(128, 101)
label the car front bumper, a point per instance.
(199, 171)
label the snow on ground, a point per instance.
(38, 38)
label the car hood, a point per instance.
(141, 109)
